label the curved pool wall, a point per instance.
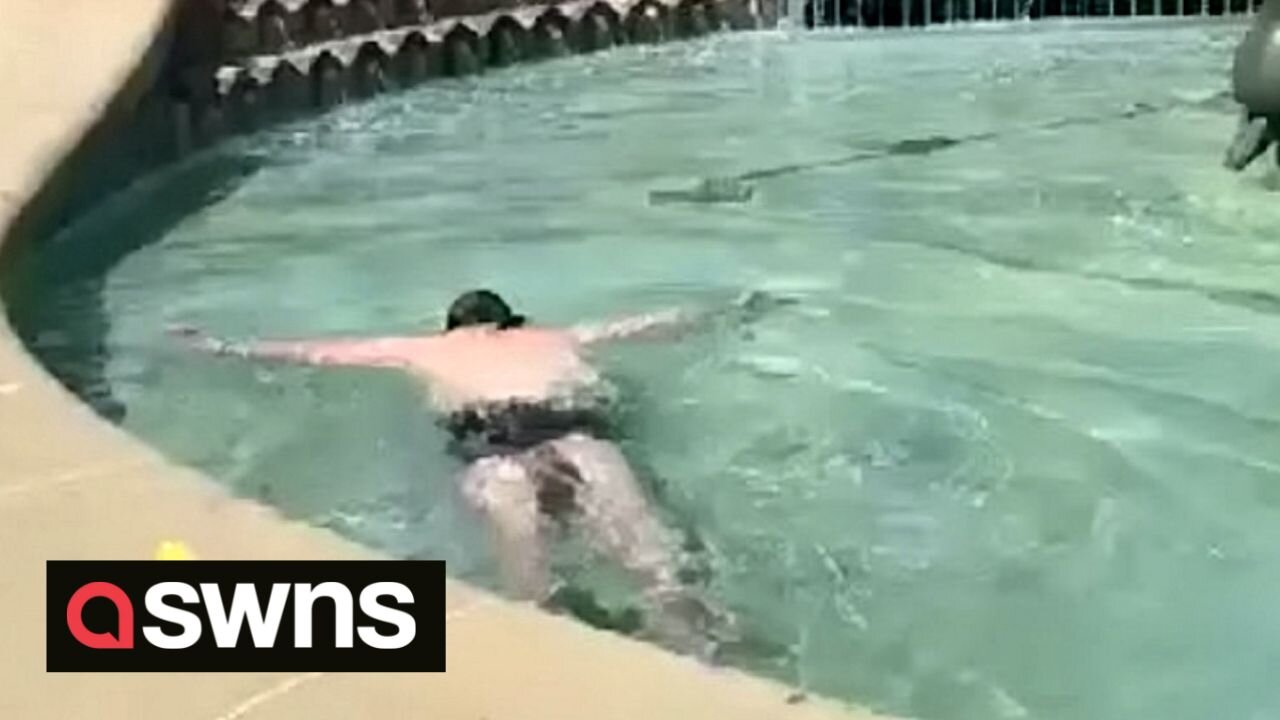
(74, 76)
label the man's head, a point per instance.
(482, 307)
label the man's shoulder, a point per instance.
(544, 336)
(540, 333)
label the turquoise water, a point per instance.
(1014, 455)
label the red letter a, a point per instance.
(123, 639)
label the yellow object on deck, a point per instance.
(174, 550)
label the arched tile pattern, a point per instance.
(285, 57)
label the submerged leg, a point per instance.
(501, 488)
(619, 520)
(1252, 139)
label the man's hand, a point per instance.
(197, 339)
(189, 335)
(183, 332)
(752, 305)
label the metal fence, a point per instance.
(899, 13)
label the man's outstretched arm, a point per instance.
(672, 323)
(370, 352)
(653, 326)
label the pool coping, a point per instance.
(73, 486)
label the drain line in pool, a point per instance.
(740, 188)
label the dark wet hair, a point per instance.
(482, 307)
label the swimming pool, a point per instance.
(1012, 455)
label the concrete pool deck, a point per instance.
(74, 487)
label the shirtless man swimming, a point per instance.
(529, 417)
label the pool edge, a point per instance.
(73, 486)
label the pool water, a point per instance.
(1014, 454)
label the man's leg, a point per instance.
(500, 487)
(620, 521)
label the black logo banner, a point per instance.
(245, 616)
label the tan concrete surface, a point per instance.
(73, 487)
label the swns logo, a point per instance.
(231, 616)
